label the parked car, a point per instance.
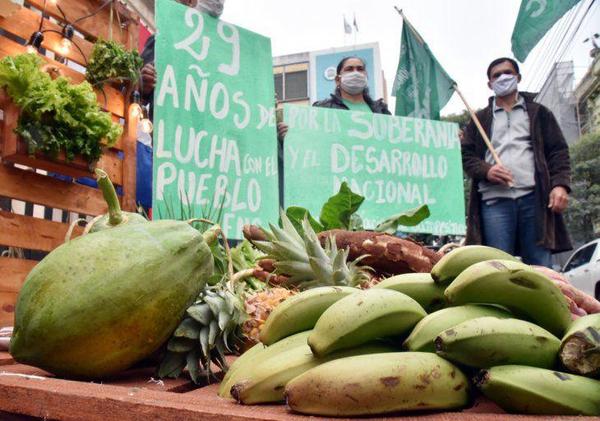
(583, 268)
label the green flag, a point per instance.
(422, 87)
(535, 18)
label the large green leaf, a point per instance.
(296, 214)
(338, 210)
(409, 218)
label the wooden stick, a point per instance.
(482, 132)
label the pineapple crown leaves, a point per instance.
(305, 260)
(210, 327)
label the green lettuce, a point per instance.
(56, 115)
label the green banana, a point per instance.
(490, 341)
(244, 368)
(300, 312)
(418, 286)
(532, 390)
(243, 359)
(516, 286)
(454, 262)
(267, 381)
(422, 336)
(378, 384)
(362, 317)
(580, 348)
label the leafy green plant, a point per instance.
(583, 212)
(340, 212)
(56, 115)
(109, 61)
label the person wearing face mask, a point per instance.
(517, 206)
(351, 92)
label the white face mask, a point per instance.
(212, 7)
(354, 82)
(505, 84)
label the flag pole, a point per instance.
(482, 132)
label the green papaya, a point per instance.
(99, 303)
(115, 216)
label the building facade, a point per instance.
(307, 77)
(587, 94)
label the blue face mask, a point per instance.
(505, 85)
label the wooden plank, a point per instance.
(25, 22)
(111, 100)
(5, 358)
(54, 398)
(97, 26)
(7, 308)
(111, 163)
(32, 233)
(36, 188)
(14, 272)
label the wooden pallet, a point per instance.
(27, 185)
(135, 395)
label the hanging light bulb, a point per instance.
(146, 126)
(135, 111)
(65, 42)
(65, 46)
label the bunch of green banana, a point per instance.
(490, 341)
(422, 336)
(453, 263)
(418, 286)
(378, 384)
(267, 381)
(516, 286)
(300, 312)
(257, 354)
(580, 348)
(362, 317)
(532, 390)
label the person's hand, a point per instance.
(148, 78)
(282, 130)
(559, 199)
(499, 174)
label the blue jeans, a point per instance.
(510, 225)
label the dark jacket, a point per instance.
(148, 57)
(335, 101)
(552, 168)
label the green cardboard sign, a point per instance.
(214, 120)
(396, 163)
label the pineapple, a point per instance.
(211, 326)
(258, 308)
(306, 262)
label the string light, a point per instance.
(35, 42)
(135, 110)
(65, 42)
(146, 126)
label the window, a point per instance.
(296, 85)
(291, 83)
(581, 257)
(279, 86)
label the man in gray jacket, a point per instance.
(517, 206)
